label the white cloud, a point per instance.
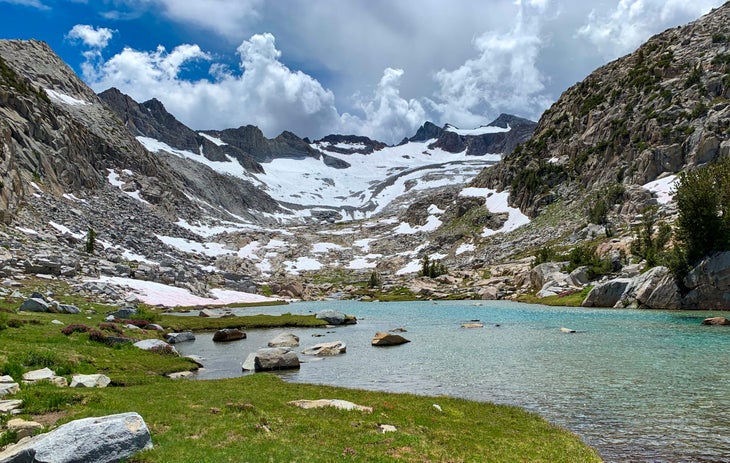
(388, 116)
(503, 77)
(265, 92)
(90, 36)
(631, 22)
(32, 3)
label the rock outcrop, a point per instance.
(709, 284)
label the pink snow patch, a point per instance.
(170, 296)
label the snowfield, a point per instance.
(662, 188)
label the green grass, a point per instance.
(248, 419)
(226, 420)
(233, 305)
(570, 300)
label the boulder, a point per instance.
(472, 325)
(185, 336)
(250, 363)
(606, 294)
(275, 358)
(125, 312)
(326, 349)
(655, 289)
(96, 380)
(156, 345)
(228, 334)
(7, 406)
(9, 389)
(34, 304)
(567, 330)
(716, 321)
(548, 271)
(90, 440)
(64, 308)
(490, 293)
(180, 375)
(44, 374)
(709, 284)
(388, 339)
(206, 313)
(581, 276)
(284, 340)
(335, 403)
(384, 428)
(332, 317)
(23, 428)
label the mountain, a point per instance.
(655, 112)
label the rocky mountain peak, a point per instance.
(657, 111)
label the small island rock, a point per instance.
(388, 339)
(228, 334)
(285, 340)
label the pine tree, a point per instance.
(90, 240)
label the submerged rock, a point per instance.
(326, 349)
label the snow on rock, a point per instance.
(662, 188)
(497, 204)
(232, 167)
(27, 231)
(249, 251)
(323, 248)
(412, 267)
(65, 99)
(364, 262)
(214, 140)
(483, 130)
(431, 224)
(185, 245)
(363, 244)
(113, 179)
(207, 230)
(170, 296)
(465, 248)
(64, 229)
(133, 256)
(302, 264)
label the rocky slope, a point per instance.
(654, 112)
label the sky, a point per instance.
(379, 68)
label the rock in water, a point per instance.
(285, 340)
(332, 317)
(185, 336)
(228, 334)
(275, 358)
(388, 339)
(326, 349)
(716, 321)
(104, 439)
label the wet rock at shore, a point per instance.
(175, 338)
(272, 358)
(334, 317)
(716, 321)
(156, 345)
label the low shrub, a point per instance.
(75, 328)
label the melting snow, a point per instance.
(364, 262)
(412, 267)
(662, 188)
(302, 263)
(27, 231)
(431, 224)
(233, 167)
(64, 229)
(213, 139)
(184, 245)
(497, 203)
(323, 248)
(69, 100)
(465, 248)
(483, 130)
(113, 178)
(170, 296)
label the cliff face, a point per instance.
(661, 109)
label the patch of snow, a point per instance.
(323, 248)
(205, 230)
(64, 229)
(662, 188)
(249, 251)
(185, 245)
(465, 248)
(302, 263)
(113, 179)
(412, 267)
(364, 262)
(553, 160)
(497, 203)
(134, 257)
(232, 167)
(363, 244)
(35, 185)
(434, 209)
(72, 197)
(170, 296)
(214, 140)
(275, 244)
(431, 224)
(27, 231)
(483, 130)
(66, 99)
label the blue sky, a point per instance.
(370, 67)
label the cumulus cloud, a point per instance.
(631, 22)
(265, 92)
(503, 77)
(92, 37)
(387, 116)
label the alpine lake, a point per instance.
(639, 386)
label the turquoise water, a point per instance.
(640, 386)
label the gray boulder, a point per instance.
(606, 294)
(275, 358)
(185, 336)
(125, 312)
(96, 380)
(284, 340)
(67, 309)
(9, 388)
(541, 274)
(90, 440)
(655, 289)
(332, 317)
(34, 304)
(326, 349)
(580, 276)
(228, 334)
(155, 345)
(44, 374)
(709, 284)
